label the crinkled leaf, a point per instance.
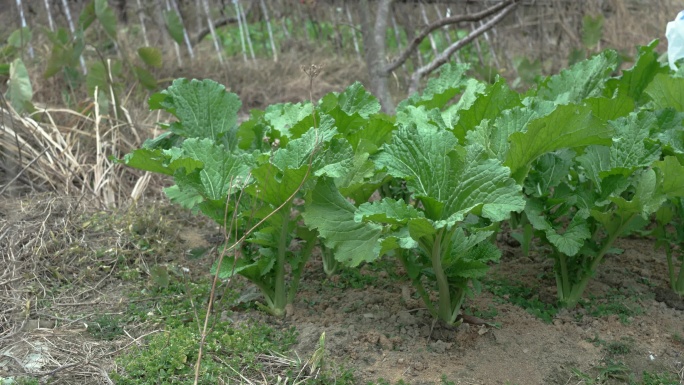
(333, 216)
(353, 100)
(289, 120)
(634, 81)
(474, 263)
(581, 81)
(288, 169)
(493, 135)
(252, 133)
(204, 108)
(595, 160)
(351, 109)
(497, 98)
(223, 172)
(440, 90)
(419, 116)
(387, 210)
(187, 197)
(647, 197)
(450, 180)
(632, 146)
(631, 149)
(153, 160)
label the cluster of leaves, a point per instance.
(583, 158)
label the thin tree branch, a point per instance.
(396, 63)
(444, 56)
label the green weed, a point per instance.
(230, 352)
(523, 296)
(613, 303)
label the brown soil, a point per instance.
(383, 331)
(373, 321)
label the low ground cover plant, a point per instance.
(585, 157)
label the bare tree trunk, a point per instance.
(374, 31)
(374, 50)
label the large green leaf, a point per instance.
(204, 108)
(223, 172)
(333, 216)
(631, 148)
(567, 126)
(292, 166)
(568, 240)
(289, 120)
(668, 130)
(440, 90)
(667, 92)
(450, 180)
(635, 80)
(353, 100)
(493, 135)
(583, 80)
(497, 98)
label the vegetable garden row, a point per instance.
(585, 157)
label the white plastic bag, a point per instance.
(675, 40)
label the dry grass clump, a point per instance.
(65, 151)
(262, 82)
(62, 267)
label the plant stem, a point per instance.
(418, 285)
(297, 271)
(576, 290)
(330, 264)
(442, 282)
(280, 294)
(677, 283)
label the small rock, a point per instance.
(440, 346)
(405, 318)
(385, 343)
